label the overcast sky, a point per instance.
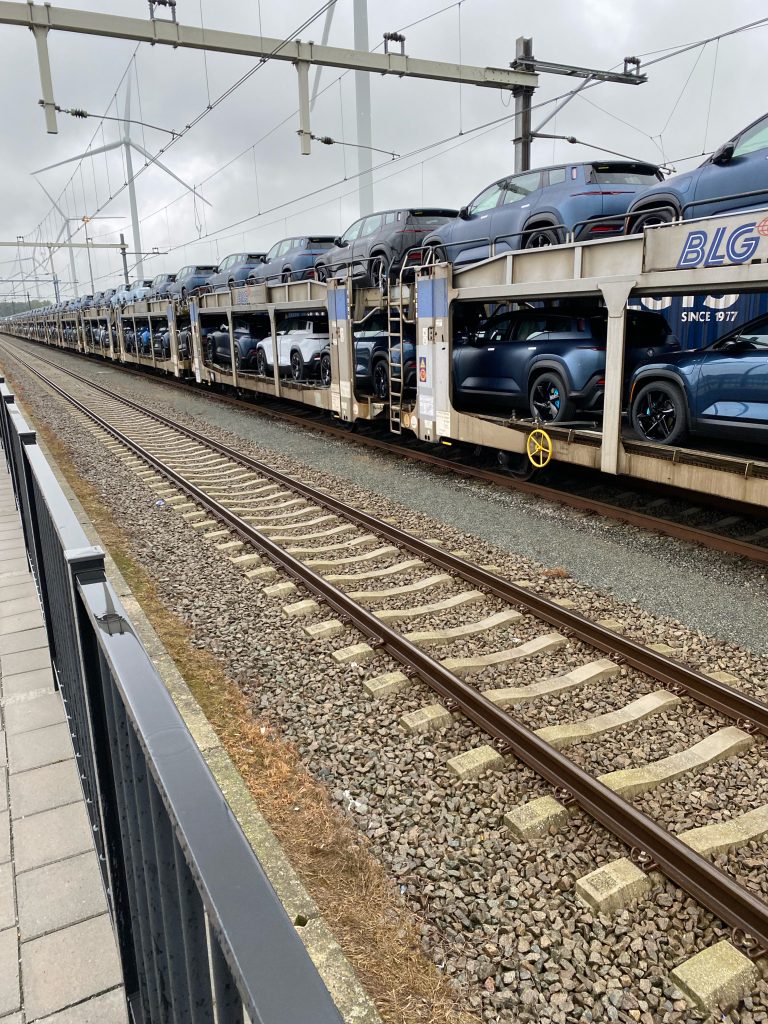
(689, 105)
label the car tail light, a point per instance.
(310, 275)
(601, 381)
(603, 229)
(414, 256)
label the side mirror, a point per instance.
(723, 154)
(263, 259)
(464, 213)
(339, 242)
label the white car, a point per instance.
(300, 342)
(122, 296)
(141, 290)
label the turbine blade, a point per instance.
(80, 156)
(154, 160)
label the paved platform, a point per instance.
(58, 955)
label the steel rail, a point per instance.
(642, 520)
(710, 886)
(673, 674)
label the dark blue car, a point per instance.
(371, 340)
(738, 166)
(536, 208)
(234, 270)
(290, 259)
(721, 390)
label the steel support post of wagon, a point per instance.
(616, 294)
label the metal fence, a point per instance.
(201, 933)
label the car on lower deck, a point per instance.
(374, 248)
(716, 186)
(539, 207)
(372, 346)
(548, 362)
(300, 340)
(718, 391)
(217, 347)
(291, 259)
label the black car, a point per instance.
(234, 270)
(217, 347)
(374, 248)
(291, 259)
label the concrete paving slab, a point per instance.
(10, 994)
(108, 1008)
(24, 661)
(11, 589)
(36, 713)
(5, 836)
(7, 908)
(27, 682)
(13, 1018)
(14, 567)
(20, 622)
(29, 640)
(29, 750)
(68, 966)
(59, 895)
(50, 836)
(44, 788)
(15, 605)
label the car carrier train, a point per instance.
(487, 355)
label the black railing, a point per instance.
(201, 933)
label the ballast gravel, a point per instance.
(500, 919)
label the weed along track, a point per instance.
(402, 611)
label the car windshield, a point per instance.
(425, 219)
(751, 336)
(624, 174)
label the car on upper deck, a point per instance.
(190, 280)
(541, 207)
(234, 270)
(717, 186)
(373, 249)
(720, 390)
(291, 259)
(160, 285)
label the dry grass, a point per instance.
(557, 573)
(378, 934)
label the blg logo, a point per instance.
(738, 246)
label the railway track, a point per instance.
(367, 573)
(695, 519)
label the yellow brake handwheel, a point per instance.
(539, 448)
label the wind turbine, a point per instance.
(128, 144)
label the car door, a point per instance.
(476, 362)
(732, 379)
(262, 271)
(469, 239)
(365, 335)
(519, 198)
(361, 246)
(746, 171)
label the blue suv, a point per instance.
(536, 208)
(549, 362)
(738, 166)
(290, 259)
(720, 390)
